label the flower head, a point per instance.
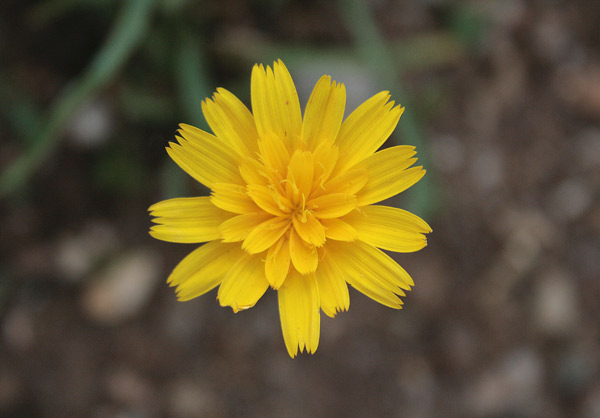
(292, 203)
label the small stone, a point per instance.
(77, 254)
(190, 399)
(512, 388)
(570, 200)
(550, 38)
(120, 291)
(92, 125)
(487, 169)
(18, 330)
(127, 387)
(556, 304)
(588, 148)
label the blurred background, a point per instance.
(503, 103)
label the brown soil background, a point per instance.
(504, 318)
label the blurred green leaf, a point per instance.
(146, 106)
(470, 25)
(19, 111)
(42, 14)
(129, 29)
(373, 50)
(192, 78)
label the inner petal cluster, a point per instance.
(293, 202)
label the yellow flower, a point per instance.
(292, 203)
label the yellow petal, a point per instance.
(186, 220)
(325, 156)
(304, 256)
(332, 205)
(324, 113)
(300, 171)
(203, 269)
(333, 290)
(277, 264)
(265, 234)
(253, 172)
(349, 183)
(299, 313)
(275, 103)
(268, 199)
(309, 229)
(274, 154)
(204, 157)
(388, 174)
(237, 228)
(232, 198)
(339, 230)
(366, 129)
(244, 284)
(231, 122)
(389, 228)
(371, 271)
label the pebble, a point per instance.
(128, 387)
(556, 303)
(18, 329)
(570, 200)
(588, 148)
(417, 386)
(487, 169)
(511, 388)
(78, 253)
(92, 125)
(121, 291)
(191, 399)
(550, 37)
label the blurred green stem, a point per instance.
(192, 77)
(130, 27)
(192, 81)
(372, 49)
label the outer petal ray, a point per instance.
(388, 174)
(277, 264)
(265, 235)
(372, 272)
(324, 113)
(389, 228)
(239, 227)
(231, 122)
(304, 256)
(333, 290)
(366, 129)
(186, 220)
(339, 230)
(232, 198)
(204, 157)
(332, 205)
(203, 269)
(299, 313)
(275, 103)
(244, 284)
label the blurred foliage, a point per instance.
(128, 29)
(171, 75)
